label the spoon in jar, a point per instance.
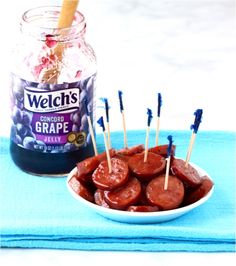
(50, 75)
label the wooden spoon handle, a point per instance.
(67, 13)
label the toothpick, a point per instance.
(107, 152)
(107, 122)
(123, 118)
(190, 148)
(108, 135)
(124, 129)
(90, 126)
(159, 104)
(157, 130)
(167, 173)
(168, 162)
(101, 123)
(92, 135)
(149, 113)
(195, 126)
(146, 144)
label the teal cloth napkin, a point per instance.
(38, 212)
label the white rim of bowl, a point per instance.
(142, 214)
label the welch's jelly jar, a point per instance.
(54, 71)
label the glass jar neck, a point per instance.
(41, 22)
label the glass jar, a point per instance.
(54, 71)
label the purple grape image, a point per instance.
(16, 115)
(29, 143)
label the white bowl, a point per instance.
(141, 217)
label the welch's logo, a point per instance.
(51, 101)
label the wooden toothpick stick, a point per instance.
(159, 104)
(168, 162)
(90, 127)
(101, 123)
(195, 126)
(123, 118)
(149, 113)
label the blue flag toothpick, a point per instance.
(170, 139)
(194, 127)
(90, 127)
(149, 119)
(101, 124)
(123, 117)
(107, 121)
(159, 104)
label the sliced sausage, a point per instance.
(143, 199)
(80, 189)
(199, 192)
(145, 171)
(185, 173)
(162, 150)
(143, 208)
(165, 199)
(99, 198)
(108, 181)
(131, 151)
(122, 157)
(85, 179)
(103, 156)
(126, 153)
(124, 196)
(87, 166)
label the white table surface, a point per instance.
(29, 257)
(184, 49)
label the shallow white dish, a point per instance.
(141, 217)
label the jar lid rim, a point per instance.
(27, 17)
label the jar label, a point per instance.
(51, 117)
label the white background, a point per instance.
(184, 49)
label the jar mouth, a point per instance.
(42, 21)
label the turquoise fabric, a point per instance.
(38, 212)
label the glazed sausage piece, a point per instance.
(165, 199)
(162, 150)
(145, 171)
(143, 208)
(131, 151)
(81, 189)
(86, 167)
(126, 153)
(143, 199)
(85, 179)
(185, 173)
(99, 198)
(103, 156)
(108, 181)
(124, 196)
(199, 192)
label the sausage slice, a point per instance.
(162, 150)
(108, 181)
(187, 173)
(99, 198)
(131, 151)
(199, 192)
(165, 199)
(145, 171)
(87, 166)
(124, 196)
(81, 189)
(143, 208)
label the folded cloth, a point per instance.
(38, 212)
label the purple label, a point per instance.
(51, 117)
